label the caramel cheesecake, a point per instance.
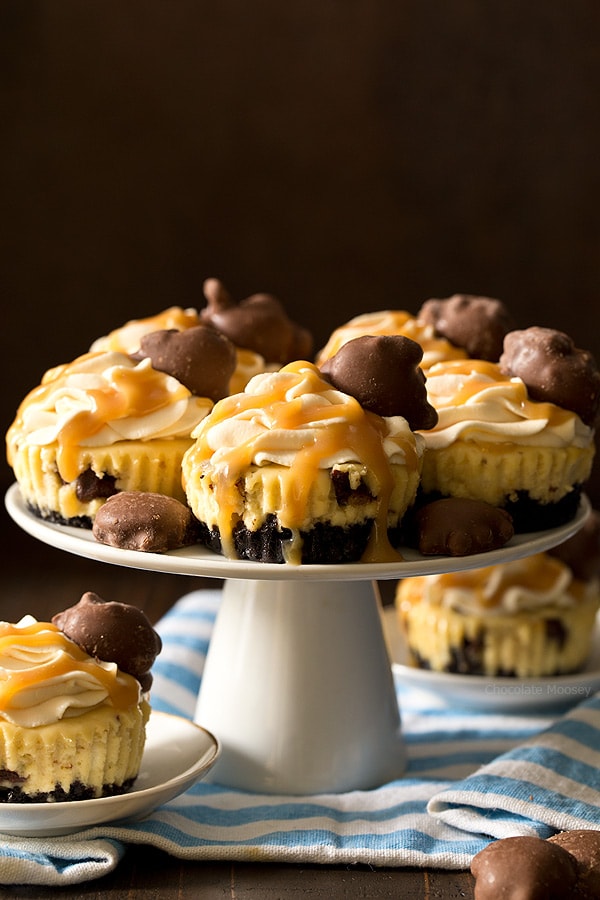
(110, 422)
(297, 469)
(72, 720)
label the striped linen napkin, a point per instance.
(471, 777)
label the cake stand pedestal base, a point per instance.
(298, 689)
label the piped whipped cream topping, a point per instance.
(282, 416)
(475, 401)
(525, 585)
(45, 677)
(248, 365)
(102, 398)
(126, 339)
(295, 419)
(390, 322)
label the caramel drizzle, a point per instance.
(480, 376)
(539, 575)
(67, 659)
(130, 393)
(391, 322)
(127, 337)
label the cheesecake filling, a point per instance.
(525, 618)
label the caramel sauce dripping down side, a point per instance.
(346, 427)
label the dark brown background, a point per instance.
(347, 155)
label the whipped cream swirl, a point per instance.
(390, 322)
(284, 414)
(475, 401)
(102, 398)
(526, 585)
(126, 339)
(45, 677)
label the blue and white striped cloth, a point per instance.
(471, 777)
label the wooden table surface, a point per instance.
(40, 580)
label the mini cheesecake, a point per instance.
(73, 709)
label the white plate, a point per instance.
(494, 694)
(178, 753)
(199, 560)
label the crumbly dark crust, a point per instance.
(77, 791)
(468, 658)
(530, 515)
(56, 519)
(322, 544)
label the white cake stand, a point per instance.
(297, 684)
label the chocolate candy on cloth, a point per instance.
(584, 846)
(564, 866)
(523, 868)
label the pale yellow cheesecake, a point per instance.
(525, 618)
(72, 726)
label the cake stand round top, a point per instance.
(198, 560)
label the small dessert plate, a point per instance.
(197, 560)
(178, 753)
(494, 694)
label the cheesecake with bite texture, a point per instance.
(314, 466)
